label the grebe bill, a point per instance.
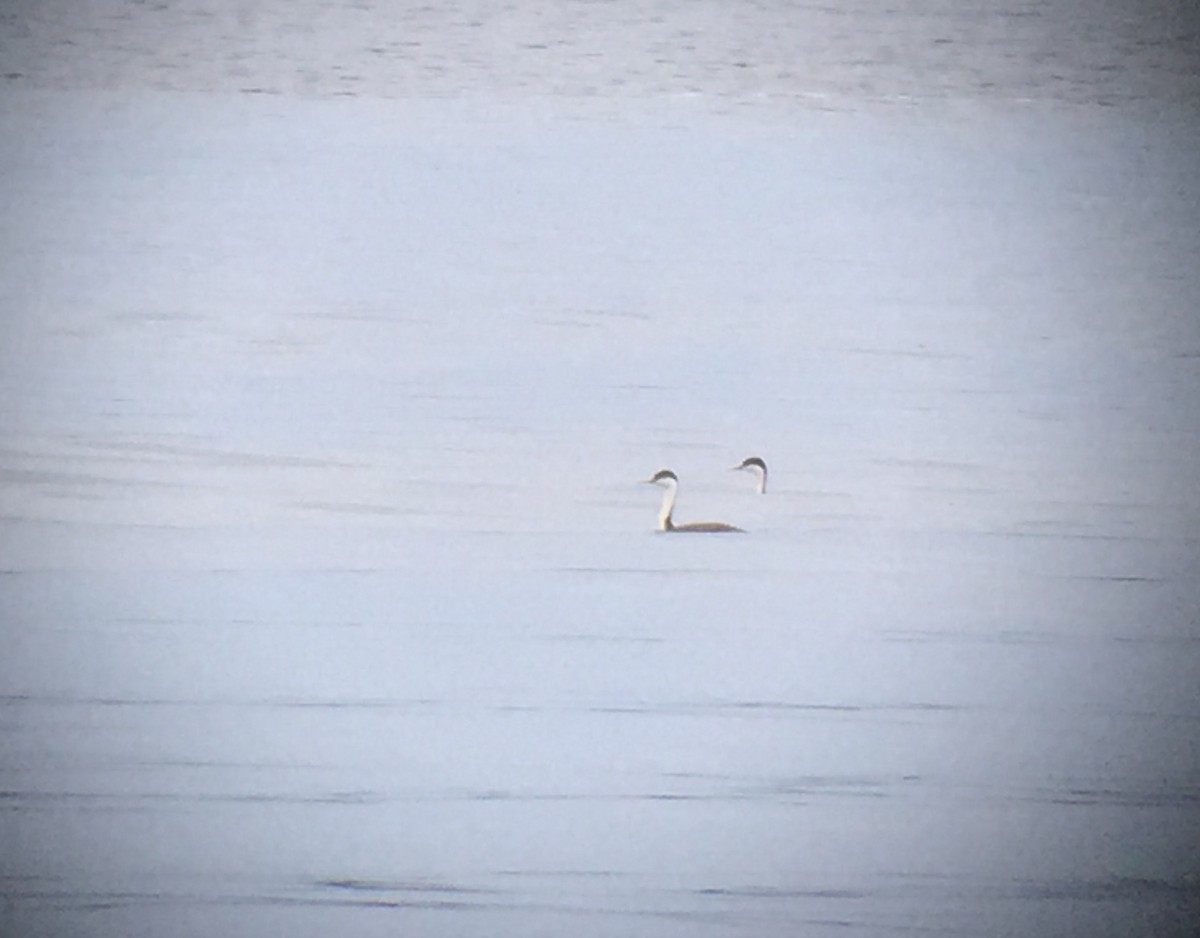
(759, 468)
(669, 481)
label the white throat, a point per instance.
(668, 505)
(762, 479)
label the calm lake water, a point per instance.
(337, 341)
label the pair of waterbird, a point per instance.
(669, 481)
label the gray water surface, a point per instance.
(330, 598)
(605, 55)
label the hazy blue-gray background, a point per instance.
(336, 339)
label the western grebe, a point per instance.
(669, 481)
(759, 468)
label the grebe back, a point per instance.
(669, 481)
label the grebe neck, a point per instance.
(668, 506)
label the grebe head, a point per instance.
(663, 477)
(755, 465)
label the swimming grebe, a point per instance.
(759, 468)
(669, 481)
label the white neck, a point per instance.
(668, 505)
(762, 481)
